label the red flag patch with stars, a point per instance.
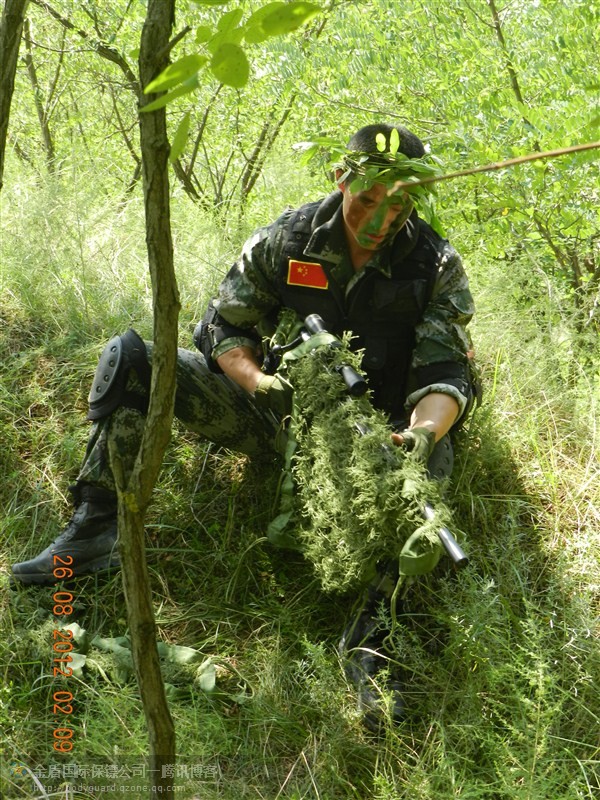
(306, 273)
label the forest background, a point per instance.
(501, 661)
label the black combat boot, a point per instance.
(87, 544)
(362, 650)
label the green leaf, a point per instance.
(230, 65)
(380, 141)
(203, 34)
(255, 32)
(176, 73)
(230, 19)
(80, 636)
(206, 675)
(177, 653)
(77, 664)
(277, 18)
(210, 2)
(394, 141)
(186, 88)
(233, 36)
(180, 138)
(288, 18)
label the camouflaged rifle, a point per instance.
(315, 335)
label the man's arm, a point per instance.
(241, 365)
(440, 362)
(436, 411)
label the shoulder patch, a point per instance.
(306, 273)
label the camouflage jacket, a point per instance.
(408, 307)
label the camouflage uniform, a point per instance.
(211, 405)
(408, 308)
(261, 283)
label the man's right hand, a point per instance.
(274, 393)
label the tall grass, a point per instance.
(500, 662)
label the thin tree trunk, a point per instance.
(11, 27)
(37, 98)
(512, 73)
(135, 496)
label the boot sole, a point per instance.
(95, 567)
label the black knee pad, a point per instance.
(108, 391)
(441, 460)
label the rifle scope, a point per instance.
(355, 383)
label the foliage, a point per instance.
(227, 60)
(392, 169)
(460, 100)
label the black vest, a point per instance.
(381, 312)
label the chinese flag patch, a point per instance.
(306, 273)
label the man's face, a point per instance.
(372, 217)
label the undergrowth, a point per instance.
(499, 662)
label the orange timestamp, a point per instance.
(62, 645)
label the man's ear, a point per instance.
(338, 174)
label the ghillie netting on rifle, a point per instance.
(350, 497)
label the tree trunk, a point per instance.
(135, 496)
(37, 98)
(11, 27)
(512, 73)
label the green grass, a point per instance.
(500, 662)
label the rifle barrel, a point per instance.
(451, 546)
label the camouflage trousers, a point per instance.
(207, 403)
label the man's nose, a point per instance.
(380, 220)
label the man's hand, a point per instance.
(274, 393)
(419, 441)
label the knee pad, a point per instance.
(441, 460)
(121, 354)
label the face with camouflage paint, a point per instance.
(372, 217)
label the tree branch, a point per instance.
(37, 98)
(512, 73)
(104, 50)
(511, 162)
(175, 40)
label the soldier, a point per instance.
(362, 259)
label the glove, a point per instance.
(420, 442)
(274, 393)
